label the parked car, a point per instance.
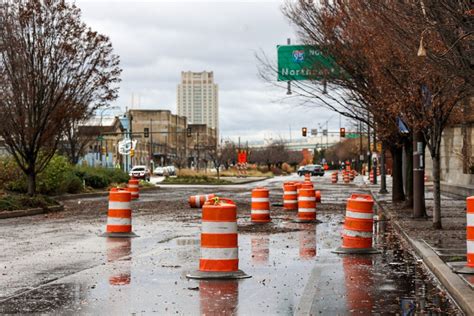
(171, 170)
(159, 171)
(314, 170)
(140, 172)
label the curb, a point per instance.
(234, 183)
(459, 290)
(68, 197)
(31, 211)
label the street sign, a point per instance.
(325, 132)
(314, 132)
(304, 62)
(124, 146)
(242, 157)
(352, 135)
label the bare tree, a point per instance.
(53, 69)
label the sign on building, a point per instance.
(304, 62)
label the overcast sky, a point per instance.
(156, 40)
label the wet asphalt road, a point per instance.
(57, 264)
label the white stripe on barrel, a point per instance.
(219, 227)
(306, 210)
(119, 221)
(359, 215)
(260, 200)
(355, 233)
(219, 253)
(306, 198)
(260, 211)
(119, 205)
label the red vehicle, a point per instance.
(140, 172)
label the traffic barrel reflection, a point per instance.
(307, 243)
(260, 249)
(118, 255)
(218, 297)
(359, 283)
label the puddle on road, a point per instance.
(281, 264)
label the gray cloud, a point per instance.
(156, 40)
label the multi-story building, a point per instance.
(161, 137)
(197, 98)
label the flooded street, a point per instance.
(292, 267)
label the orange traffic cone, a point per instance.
(358, 226)
(119, 217)
(219, 242)
(334, 177)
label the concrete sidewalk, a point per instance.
(440, 250)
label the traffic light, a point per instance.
(146, 132)
(188, 131)
(132, 152)
(304, 131)
(342, 132)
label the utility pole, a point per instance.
(152, 165)
(288, 91)
(383, 171)
(419, 207)
(361, 153)
(375, 150)
(369, 152)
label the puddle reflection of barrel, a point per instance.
(260, 249)
(118, 255)
(218, 297)
(307, 241)
(359, 284)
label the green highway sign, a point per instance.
(352, 135)
(304, 62)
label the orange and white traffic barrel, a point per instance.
(307, 177)
(260, 206)
(351, 175)
(306, 206)
(334, 177)
(298, 187)
(290, 197)
(346, 177)
(219, 242)
(317, 194)
(197, 201)
(134, 188)
(469, 267)
(358, 225)
(119, 217)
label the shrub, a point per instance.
(74, 184)
(8, 170)
(17, 202)
(55, 177)
(116, 175)
(96, 180)
(277, 171)
(287, 168)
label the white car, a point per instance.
(171, 170)
(159, 171)
(140, 172)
